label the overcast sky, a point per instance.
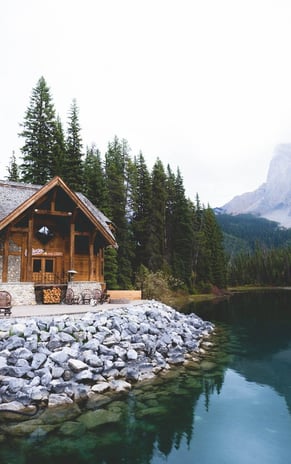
(205, 85)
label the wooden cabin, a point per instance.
(50, 235)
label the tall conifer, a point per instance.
(182, 235)
(38, 131)
(141, 212)
(13, 169)
(57, 166)
(73, 173)
(157, 259)
(94, 179)
(116, 159)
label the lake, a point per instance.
(235, 409)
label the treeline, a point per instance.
(243, 233)
(258, 250)
(271, 267)
(158, 229)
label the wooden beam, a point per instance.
(91, 259)
(84, 234)
(5, 256)
(48, 212)
(72, 245)
(29, 249)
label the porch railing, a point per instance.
(49, 278)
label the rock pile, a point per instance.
(64, 359)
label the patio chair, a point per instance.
(5, 303)
(86, 296)
(70, 297)
(100, 296)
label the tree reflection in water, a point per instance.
(155, 415)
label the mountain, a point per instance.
(244, 232)
(272, 200)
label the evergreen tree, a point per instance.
(198, 240)
(13, 169)
(111, 268)
(39, 135)
(94, 179)
(182, 234)
(157, 259)
(170, 206)
(141, 212)
(116, 159)
(73, 173)
(57, 167)
(215, 251)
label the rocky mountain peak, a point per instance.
(272, 200)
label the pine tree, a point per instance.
(116, 159)
(73, 174)
(212, 267)
(171, 195)
(57, 167)
(94, 186)
(182, 234)
(141, 212)
(198, 241)
(157, 259)
(111, 268)
(13, 169)
(39, 134)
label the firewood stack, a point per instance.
(52, 295)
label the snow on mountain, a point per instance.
(272, 200)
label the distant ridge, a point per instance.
(272, 200)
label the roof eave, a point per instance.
(57, 181)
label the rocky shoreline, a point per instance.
(67, 359)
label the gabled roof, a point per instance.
(16, 197)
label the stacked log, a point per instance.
(52, 295)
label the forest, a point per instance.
(258, 250)
(162, 235)
(165, 238)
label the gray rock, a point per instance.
(76, 365)
(38, 360)
(132, 354)
(70, 357)
(59, 357)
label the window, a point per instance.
(36, 265)
(49, 265)
(43, 265)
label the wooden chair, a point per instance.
(105, 297)
(86, 296)
(70, 297)
(5, 303)
(100, 296)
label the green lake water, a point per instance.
(235, 409)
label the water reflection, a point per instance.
(153, 417)
(262, 324)
(230, 409)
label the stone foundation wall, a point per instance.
(22, 293)
(79, 287)
(14, 265)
